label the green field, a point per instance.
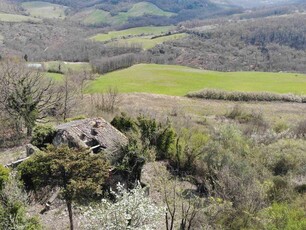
(17, 18)
(146, 8)
(54, 76)
(97, 17)
(139, 9)
(179, 80)
(139, 35)
(66, 66)
(137, 31)
(44, 9)
(147, 42)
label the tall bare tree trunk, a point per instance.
(69, 207)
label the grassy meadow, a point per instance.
(137, 31)
(179, 80)
(66, 66)
(54, 76)
(44, 9)
(139, 9)
(147, 42)
(17, 18)
(143, 36)
(96, 17)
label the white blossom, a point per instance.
(133, 210)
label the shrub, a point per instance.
(124, 123)
(4, 176)
(281, 190)
(13, 203)
(150, 133)
(239, 114)
(285, 157)
(280, 126)
(42, 136)
(284, 216)
(300, 129)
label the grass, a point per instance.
(137, 10)
(97, 17)
(54, 76)
(179, 80)
(147, 42)
(138, 31)
(146, 8)
(17, 18)
(65, 66)
(45, 9)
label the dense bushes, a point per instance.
(284, 216)
(216, 94)
(228, 165)
(153, 136)
(42, 136)
(13, 204)
(286, 156)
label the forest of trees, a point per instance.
(269, 44)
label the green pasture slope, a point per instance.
(147, 42)
(139, 35)
(142, 8)
(17, 18)
(137, 10)
(97, 17)
(179, 80)
(137, 31)
(44, 9)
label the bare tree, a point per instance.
(107, 101)
(26, 94)
(181, 206)
(81, 78)
(69, 93)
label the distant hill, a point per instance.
(119, 12)
(256, 3)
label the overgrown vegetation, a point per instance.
(232, 164)
(215, 94)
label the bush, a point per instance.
(284, 216)
(285, 157)
(4, 176)
(300, 129)
(13, 203)
(42, 136)
(280, 126)
(150, 133)
(281, 190)
(239, 114)
(124, 123)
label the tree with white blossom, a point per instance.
(132, 210)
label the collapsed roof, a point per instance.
(96, 134)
